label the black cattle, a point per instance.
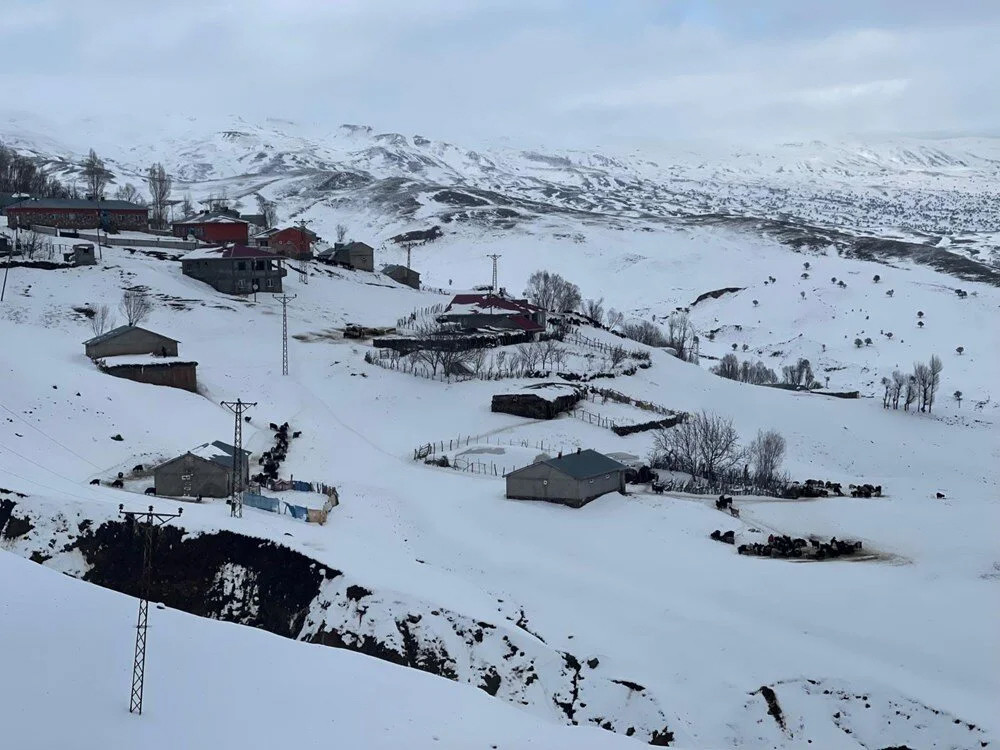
(95, 481)
(733, 511)
(246, 419)
(716, 535)
(729, 537)
(121, 475)
(940, 495)
(137, 468)
(657, 488)
(151, 490)
(273, 426)
(118, 483)
(297, 434)
(724, 502)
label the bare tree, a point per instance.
(433, 358)
(677, 448)
(160, 184)
(187, 207)
(934, 368)
(455, 361)
(551, 291)
(477, 357)
(645, 333)
(765, 453)
(679, 334)
(957, 395)
(341, 232)
(528, 355)
(30, 243)
(912, 389)
(594, 309)
(102, 320)
(135, 305)
(922, 380)
(96, 175)
(268, 210)
(548, 352)
(617, 355)
(129, 192)
(703, 443)
(615, 318)
(728, 367)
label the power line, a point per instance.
(43, 433)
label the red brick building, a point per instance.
(291, 242)
(74, 213)
(215, 228)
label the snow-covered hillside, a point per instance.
(621, 614)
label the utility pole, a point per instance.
(150, 524)
(493, 285)
(237, 407)
(305, 239)
(284, 300)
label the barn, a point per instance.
(205, 471)
(130, 340)
(574, 479)
(214, 228)
(74, 213)
(292, 242)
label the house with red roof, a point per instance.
(236, 269)
(490, 311)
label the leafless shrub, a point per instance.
(594, 309)
(135, 305)
(102, 320)
(704, 443)
(765, 453)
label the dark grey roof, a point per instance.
(393, 267)
(585, 464)
(81, 203)
(355, 246)
(116, 332)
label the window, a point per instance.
(241, 265)
(241, 283)
(268, 283)
(260, 265)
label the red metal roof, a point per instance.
(492, 302)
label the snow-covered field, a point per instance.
(624, 610)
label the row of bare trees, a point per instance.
(19, 174)
(918, 389)
(135, 306)
(707, 445)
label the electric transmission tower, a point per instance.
(236, 499)
(150, 523)
(495, 258)
(284, 300)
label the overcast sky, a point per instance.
(562, 72)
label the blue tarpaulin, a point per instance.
(262, 502)
(301, 486)
(298, 511)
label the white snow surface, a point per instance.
(633, 581)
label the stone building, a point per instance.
(402, 275)
(130, 340)
(204, 471)
(171, 372)
(573, 480)
(354, 255)
(74, 213)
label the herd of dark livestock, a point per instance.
(271, 460)
(819, 488)
(784, 546)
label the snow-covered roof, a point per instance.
(227, 253)
(116, 332)
(218, 452)
(211, 218)
(144, 360)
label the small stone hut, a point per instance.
(573, 479)
(130, 340)
(205, 471)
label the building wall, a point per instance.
(291, 242)
(80, 218)
(226, 276)
(362, 258)
(174, 375)
(215, 232)
(132, 342)
(190, 476)
(542, 482)
(410, 278)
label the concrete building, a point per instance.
(402, 275)
(217, 227)
(81, 254)
(292, 242)
(235, 270)
(573, 480)
(74, 213)
(354, 255)
(204, 471)
(130, 340)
